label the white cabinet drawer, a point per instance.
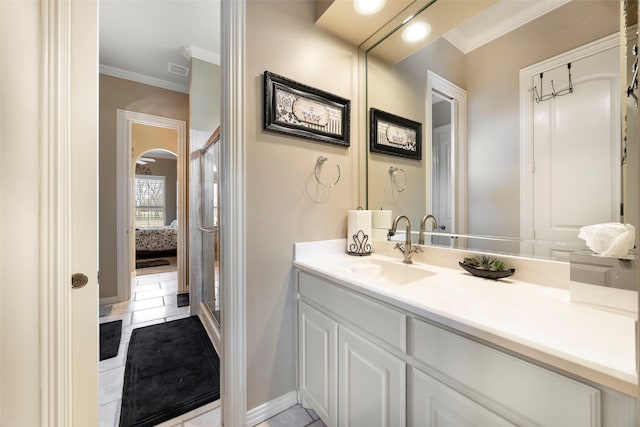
(534, 395)
(377, 319)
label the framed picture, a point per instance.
(391, 134)
(296, 109)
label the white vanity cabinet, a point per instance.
(346, 379)
(364, 362)
(371, 390)
(318, 362)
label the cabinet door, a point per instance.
(318, 346)
(433, 404)
(372, 384)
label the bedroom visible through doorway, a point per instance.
(155, 204)
(151, 199)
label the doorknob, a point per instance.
(78, 280)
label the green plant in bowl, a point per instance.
(486, 267)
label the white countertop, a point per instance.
(535, 321)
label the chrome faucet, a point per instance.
(422, 226)
(407, 249)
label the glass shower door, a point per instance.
(209, 225)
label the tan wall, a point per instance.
(205, 96)
(117, 93)
(284, 204)
(19, 215)
(145, 138)
(441, 114)
(492, 84)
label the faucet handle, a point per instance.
(400, 246)
(415, 249)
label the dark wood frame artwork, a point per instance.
(377, 146)
(321, 107)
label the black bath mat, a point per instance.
(110, 333)
(171, 369)
(183, 300)
(152, 263)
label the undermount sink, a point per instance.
(385, 272)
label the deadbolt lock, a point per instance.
(78, 280)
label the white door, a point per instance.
(576, 151)
(83, 221)
(442, 191)
(372, 384)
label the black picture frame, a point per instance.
(384, 126)
(293, 108)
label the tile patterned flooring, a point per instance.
(153, 300)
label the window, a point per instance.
(149, 201)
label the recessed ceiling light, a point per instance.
(368, 7)
(416, 32)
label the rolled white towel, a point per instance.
(609, 239)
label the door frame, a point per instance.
(68, 110)
(55, 353)
(233, 230)
(458, 97)
(527, 213)
(125, 173)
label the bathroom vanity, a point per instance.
(382, 343)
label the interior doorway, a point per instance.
(130, 124)
(446, 136)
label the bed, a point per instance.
(156, 241)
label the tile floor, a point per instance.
(153, 300)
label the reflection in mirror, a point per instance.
(484, 130)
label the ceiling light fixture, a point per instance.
(368, 7)
(416, 32)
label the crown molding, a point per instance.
(142, 78)
(191, 51)
(467, 44)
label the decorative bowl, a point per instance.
(488, 274)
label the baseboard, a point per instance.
(109, 300)
(271, 408)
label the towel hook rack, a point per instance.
(393, 171)
(539, 97)
(319, 163)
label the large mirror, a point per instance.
(521, 109)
